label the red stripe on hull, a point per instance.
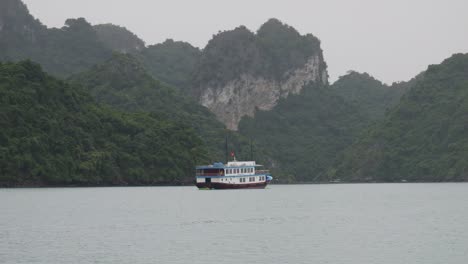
(218, 185)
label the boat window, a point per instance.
(212, 172)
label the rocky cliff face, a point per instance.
(242, 96)
(17, 24)
(240, 71)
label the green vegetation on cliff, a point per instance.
(372, 96)
(423, 138)
(54, 133)
(304, 132)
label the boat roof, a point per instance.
(230, 164)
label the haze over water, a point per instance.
(345, 223)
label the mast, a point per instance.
(226, 149)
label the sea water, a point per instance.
(330, 223)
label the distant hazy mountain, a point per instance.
(19, 31)
(119, 38)
(63, 51)
(423, 138)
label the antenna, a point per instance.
(251, 150)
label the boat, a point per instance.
(233, 175)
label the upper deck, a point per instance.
(232, 168)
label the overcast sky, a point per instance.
(393, 40)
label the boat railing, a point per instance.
(210, 174)
(262, 172)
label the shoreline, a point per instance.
(191, 184)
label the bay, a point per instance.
(329, 223)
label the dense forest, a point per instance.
(423, 138)
(54, 133)
(89, 105)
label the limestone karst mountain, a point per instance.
(240, 71)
